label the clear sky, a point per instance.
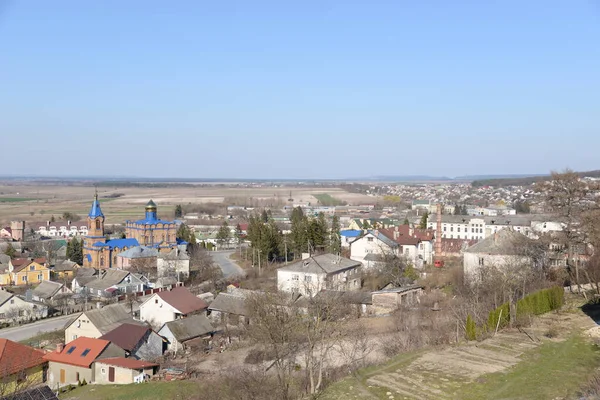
(302, 89)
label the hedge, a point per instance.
(536, 303)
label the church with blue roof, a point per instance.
(100, 252)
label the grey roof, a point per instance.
(165, 281)
(47, 289)
(509, 220)
(503, 242)
(139, 252)
(373, 257)
(389, 242)
(400, 289)
(229, 303)
(190, 328)
(107, 279)
(66, 265)
(324, 263)
(174, 254)
(5, 296)
(107, 318)
(85, 275)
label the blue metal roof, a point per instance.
(351, 233)
(120, 243)
(150, 221)
(95, 211)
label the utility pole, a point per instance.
(285, 246)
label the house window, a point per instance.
(97, 224)
(40, 276)
(77, 376)
(369, 239)
(74, 337)
(32, 267)
(444, 229)
(24, 279)
(103, 371)
(12, 301)
(307, 278)
(102, 261)
(295, 277)
(481, 261)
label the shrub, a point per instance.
(501, 313)
(470, 328)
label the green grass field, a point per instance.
(328, 200)
(144, 391)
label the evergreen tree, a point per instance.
(406, 222)
(224, 234)
(186, 234)
(298, 233)
(76, 251)
(366, 224)
(52, 219)
(457, 210)
(178, 211)
(423, 223)
(463, 210)
(10, 251)
(264, 216)
(335, 240)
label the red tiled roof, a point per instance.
(73, 353)
(455, 245)
(17, 262)
(126, 336)
(401, 235)
(183, 300)
(16, 357)
(130, 363)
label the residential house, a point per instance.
(50, 292)
(25, 271)
(82, 278)
(415, 244)
(326, 271)
(74, 363)
(6, 233)
(110, 282)
(138, 258)
(16, 309)
(139, 342)
(194, 330)
(349, 235)
(163, 307)
(61, 229)
(65, 270)
(174, 263)
(97, 322)
(20, 366)
(229, 308)
(123, 371)
(373, 242)
(502, 250)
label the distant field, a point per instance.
(39, 202)
(328, 200)
(14, 199)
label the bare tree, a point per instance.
(570, 198)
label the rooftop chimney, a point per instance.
(60, 347)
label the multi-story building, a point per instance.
(61, 229)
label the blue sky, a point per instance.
(310, 89)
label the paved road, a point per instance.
(27, 331)
(227, 265)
